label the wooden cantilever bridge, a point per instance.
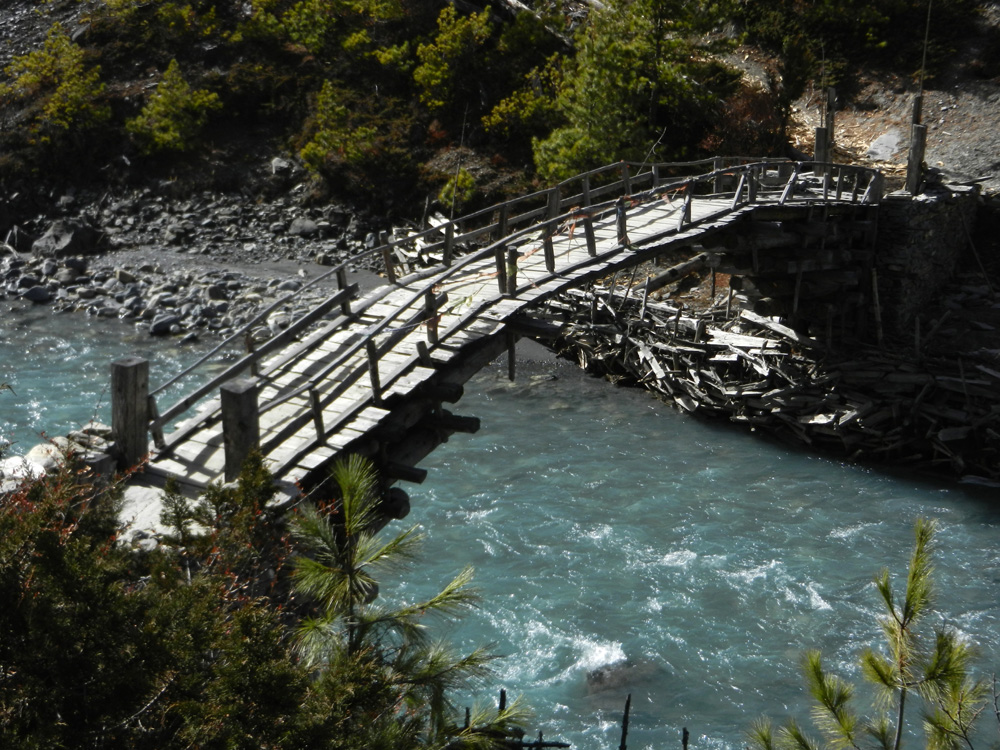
(370, 374)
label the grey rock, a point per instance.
(65, 237)
(303, 227)
(162, 324)
(38, 294)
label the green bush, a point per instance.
(63, 91)
(449, 62)
(174, 115)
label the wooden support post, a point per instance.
(431, 313)
(550, 253)
(317, 411)
(240, 423)
(753, 182)
(719, 183)
(512, 256)
(511, 355)
(656, 176)
(821, 151)
(449, 243)
(345, 306)
(501, 260)
(130, 409)
(588, 233)
(626, 178)
(915, 161)
(373, 372)
(917, 116)
(586, 190)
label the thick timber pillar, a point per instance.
(130, 409)
(240, 423)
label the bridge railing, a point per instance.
(583, 199)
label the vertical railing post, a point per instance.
(501, 259)
(387, 259)
(512, 256)
(915, 160)
(431, 313)
(345, 306)
(622, 215)
(240, 423)
(550, 253)
(626, 178)
(449, 243)
(588, 233)
(753, 182)
(130, 409)
(717, 166)
(502, 221)
(821, 151)
(553, 208)
(373, 375)
(656, 176)
(585, 189)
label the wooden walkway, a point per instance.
(371, 374)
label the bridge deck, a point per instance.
(323, 387)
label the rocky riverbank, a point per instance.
(191, 267)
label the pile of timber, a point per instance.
(865, 404)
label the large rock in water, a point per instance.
(65, 237)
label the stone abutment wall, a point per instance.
(920, 241)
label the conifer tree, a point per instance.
(934, 667)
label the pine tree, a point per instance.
(935, 668)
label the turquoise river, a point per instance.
(606, 528)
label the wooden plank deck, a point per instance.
(317, 395)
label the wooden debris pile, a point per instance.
(865, 404)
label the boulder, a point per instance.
(37, 294)
(163, 324)
(66, 237)
(303, 227)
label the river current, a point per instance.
(606, 528)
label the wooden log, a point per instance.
(388, 260)
(130, 409)
(445, 420)
(395, 470)
(621, 217)
(677, 272)
(240, 423)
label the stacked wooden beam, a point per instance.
(865, 404)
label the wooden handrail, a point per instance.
(545, 212)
